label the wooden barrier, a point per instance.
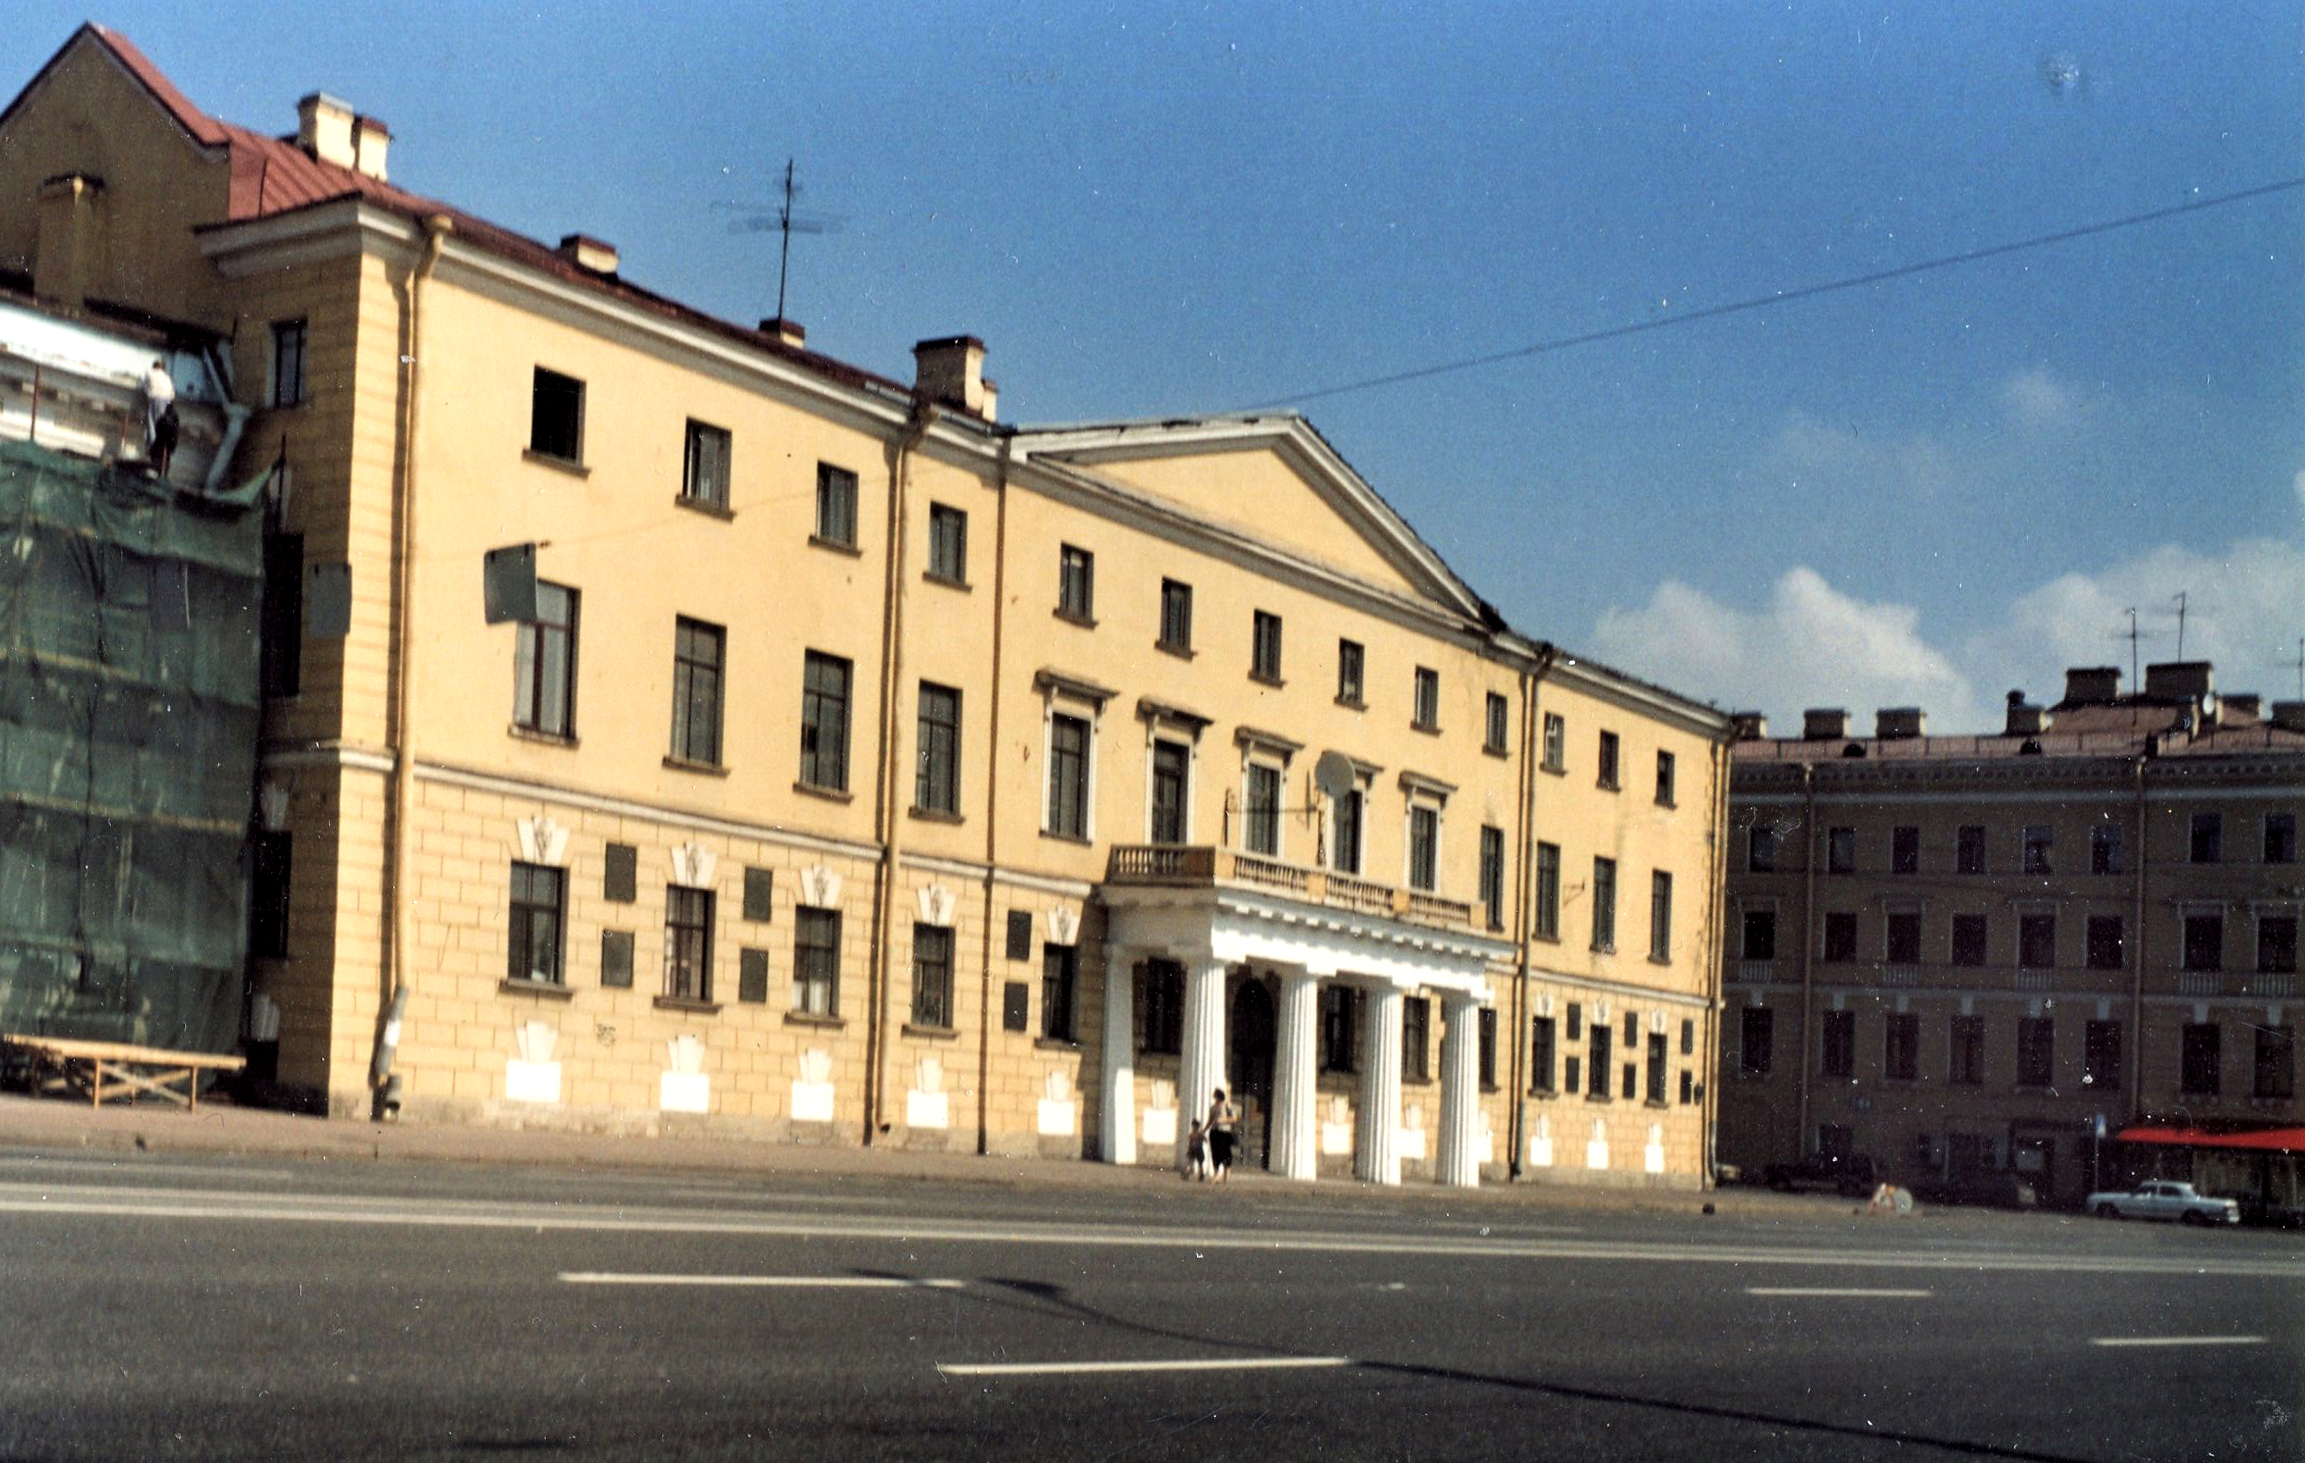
(105, 1069)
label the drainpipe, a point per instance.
(1516, 1109)
(984, 1024)
(886, 816)
(386, 1087)
(2137, 950)
(1808, 963)
(1716, 989)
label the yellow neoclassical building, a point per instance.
(672, 728)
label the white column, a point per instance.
(1117, 1130)
(1379, 1159)
(1296, 1137)
(1201, 1068)
(1460, 1159)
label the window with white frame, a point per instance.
(1421, 839)
(1072, 709)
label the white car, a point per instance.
(2163, 1199)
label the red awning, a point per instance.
(2278, 1140)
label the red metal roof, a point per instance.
(2278, 1140)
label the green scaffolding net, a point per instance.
(128, 730)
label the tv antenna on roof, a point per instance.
(783, 218)
(2133, 635)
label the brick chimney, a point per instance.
(2179, 680)
(2092, 685)
(587, 252)
(2025, 719)
(370, 139)
(1900, 723)
(2289, 715)
(951, 371)
(324, 129)
(789, 332)
(1749, 726)
(1824, 724)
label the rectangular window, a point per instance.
(2040, 843)
(2105, 848)
(1629, 1088)
(687, 943)
(932, 976)
(936, 781)
(1969, 849)
(1493, 875)
(824, 721)
(620, 873)
(816, 961)
(1840, 935)
(1556, 742)
(1176, 615)
(1350, 663)
(288, 337)
(539, 900)
(1487, 1028)
(1657, 1090)
(704, 474)
(1660, 916)
(1164, 1007)
(1967, 1061)
(752, 976)
(1265, 647)
(544, 665)
(1059, 965)
(1496, 723)
(1604, 904)
(1541, 1054)
(1905, 850)
(1840, 1057)
(1075, 583)
(556, 417)
(2276, 1068)
(1901, 1046)
(1756, 1040)
(947, 544)
(1416, 1036)
(1597, 1062)
(1345, 850)
(1261, 810)
(1337, 1005)
(697, 649)
(835, 505)
(1665, 779)
(2204, 942)
(2101, 1056)
(616, 959)
(1548, 911)
(1969, 933)
(2280, 838)
(268, 888)
(1424, 847)
(1760, 942)
(1610, 747)
(282, 615)
(1840, 850)
(2277, 944)
(2036, 1051)
(1761, 849)
(1427, 710)
(1171, 787)
(2037, 941)
(1688, 1037)
(759, 900)
(1901, 937)
(1068, 775)
(2105, 942)
(2200, 1060)
(2208, 844)
(1019, 943)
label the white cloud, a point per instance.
(2299, 484)
(2038, 397)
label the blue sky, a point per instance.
(1926, 491)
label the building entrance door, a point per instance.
(1251, 1059)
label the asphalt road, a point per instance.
(242, 1308)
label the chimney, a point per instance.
(951, 371)
(324, 128)
(587, 252)
(2092, 685)
(370, 138)
(2025, 719)
(1900, 723)
(2289, 715)
(2247, 703)
(1824, 724)
(64, 254)
(787, 331)
(2179, 680)
(1749, 726)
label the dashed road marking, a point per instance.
(1841, 1291)
(2176, 1341)
(1084, 1368)
(786, 1282)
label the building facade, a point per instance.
(1960, 954)
(673, 727)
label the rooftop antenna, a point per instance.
(2299, 665)
(2179, 596)
(2133, 635)
(782, 217)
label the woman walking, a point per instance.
(1223, 1124)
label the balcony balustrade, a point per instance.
(1200, 865)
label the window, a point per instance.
(1630, 1084)
(1901, 1046)
(2277, 944)
(1171, 786)
(759, 901)
(533, 952)
(1901, 937)
(1424, 847)
(947, 544)
(1337, 1004)
(1840, 850)
(1688, 1037)
(2276, 1068)
(544, 665)
(1493, 875)
(1548, 910)
(1597, 1064)
(1840, 1044)
(288, 337)
(1660, 916)
(1665, 779)
(1967, 1060)
(1840, 935)
(2204, 942)
(1969, 849)
(1345, 846)
(1176, 615)
(1761, 849)
(1059, 965)
(936, 781)
(2037, 941)
(816, 961)
(687, 943)
(1608, 759)
(1756, 1040)
(2101, 1056)
(1969, 932)
(282, 614)
(1541, 1054)
(556, 417)
(2104, 942)
(1349, 672)
(1556, 742)
(1604, 904)
(1657, 1068)
(835, 505)
(824, 722)
(2040, 842)
(1068, 775)
(2280, 838)
(1496, 723)
(1164, 1006)
(620, 873)
(2200, 1060)
(2208, 844)
(268, 886)
(696, 663)
(1760, 934)
(1427, 710)
(1416, 1035)
(931, 976)
(2105, 848)
(1261, 810)
(1487, 1028)
(1076, 583)
(1265, 647)
(704, 474)
(1905, 850)
(2036, 1051)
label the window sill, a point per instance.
(1352, 703)
(931, 1033)
(1066, 837)
(549, 990)
(829, 794)
(818, 541)
(567, 465)
(1264, 680)
(1607, 786)
(1604, 949)
(946, 581)
(1055, 1044)
(1667, 803)
(1544, 1092)
(1558, 769)
(1599, 1097)
(935, 815)
(1656, 959)
(1071, 617)
(1497, 752)
(683, 1003)
(1415, 1080)
(709, 769)
(1340, 1071)
(542, 738)
(706, 507)
(1656, 1102)
(1544, 939)
(1181, 652)
(810, 1018)
(1429, 728)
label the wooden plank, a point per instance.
(116, 1051)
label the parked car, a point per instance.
(2163, 1199)
(1993, 1189)
(1851, 1177)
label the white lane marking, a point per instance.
(140, 1166)
(790, 1282)
(2176, 1341)
(1080, 1368)
(1835, 1290)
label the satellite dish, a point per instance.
(1334, 774)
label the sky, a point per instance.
(1924, 491)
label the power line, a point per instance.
(1781, 297)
